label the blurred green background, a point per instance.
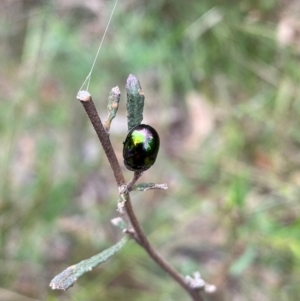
(221, 80)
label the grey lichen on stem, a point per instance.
(137, 233)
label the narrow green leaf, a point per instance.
(69, 276)
(135, 102)
(242, 263)
(147, 186)
(237, 192)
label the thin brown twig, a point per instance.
(140, 237)
(128, 187)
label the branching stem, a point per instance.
(139, 235)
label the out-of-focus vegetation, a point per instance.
(221, 80)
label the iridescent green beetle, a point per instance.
(140, 148)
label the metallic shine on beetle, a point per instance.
(140, 148)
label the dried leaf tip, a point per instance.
(132, 81)
(116, 91)
(84, 96)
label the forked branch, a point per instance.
(138, 233)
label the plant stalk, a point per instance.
(139, 235)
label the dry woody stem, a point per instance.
(139, 235)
